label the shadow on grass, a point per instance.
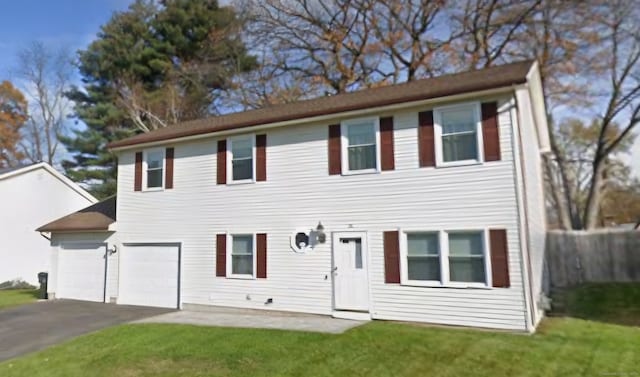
(615, 303)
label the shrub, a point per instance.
(16, 284)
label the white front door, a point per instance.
(81, 271)
(149, 275)
(351, 282)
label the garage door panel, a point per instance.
(149, 276)
(81, 272)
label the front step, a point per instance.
(354, 316)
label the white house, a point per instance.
(417, 202)
(29, 196)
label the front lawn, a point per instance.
(562, 347)
(14, 297)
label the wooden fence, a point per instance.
(596, 256)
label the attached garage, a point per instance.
(150, 275)
(84, 260)
(82, 271)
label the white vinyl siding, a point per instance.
(299, 193)
(458, 134)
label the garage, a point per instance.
(149, 275)
(82, 271)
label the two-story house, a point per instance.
(420, 202)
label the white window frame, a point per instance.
(437, 118)
(344, 145)
(230, 273)
(230, 141)
(145, 165)
(443, 238)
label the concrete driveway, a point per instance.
(32, 327)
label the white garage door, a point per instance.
(149, 275)
(81, 271)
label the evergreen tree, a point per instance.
(151, 66)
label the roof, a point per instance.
(7, 173)
(447, 85)
(96, 217)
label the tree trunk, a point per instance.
(556, 193)
(593, 199)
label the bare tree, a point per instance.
(619, 51)
(409, 37)
(45, 75)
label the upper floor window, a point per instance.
(458, 134)
(242, 158)
(360, 146)
(154, 168)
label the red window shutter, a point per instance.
(261, 157)
(426, 139)
(490, 133)
(168, 175)
(261, 255)
(137, 180)
(222, 162)
(221, 255)
(391, 257)
(335, 160)
(499, 258)
(387, 158)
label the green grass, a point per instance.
(562, 347)
(14, 297)
(612, 303)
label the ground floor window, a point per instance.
(242, 261)
(445, 257)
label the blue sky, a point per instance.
(69, 23)
(73, 24)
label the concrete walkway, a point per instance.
(261, 319)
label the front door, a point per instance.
(351, 283)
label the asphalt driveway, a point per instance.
(32, 327)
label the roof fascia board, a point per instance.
(301, 121)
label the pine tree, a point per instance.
(151, 66)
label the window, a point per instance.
(423, 256)
(459, 135)
(456, 258)
(466, 257)
(242, 255)
(361, 137)
(242, 159)
(154, 162)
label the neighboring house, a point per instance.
(416, 202)
(29, 196)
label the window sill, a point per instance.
(241, 182)
(153, 189)
(458, 163)
(360, 172)
(429, 284)
(241, 277)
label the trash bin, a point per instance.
(43, 277)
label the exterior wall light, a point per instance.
(321, 236)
